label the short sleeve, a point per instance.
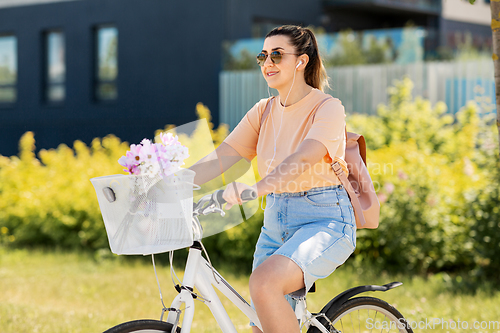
(329, 126)
(245, 135)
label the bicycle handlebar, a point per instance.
(246, 195)
(212, 203)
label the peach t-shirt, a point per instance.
(310, 118)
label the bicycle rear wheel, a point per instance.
(143, 326)
(367, 314)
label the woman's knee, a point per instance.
(262, 283)
(257, 282)
(277, 275)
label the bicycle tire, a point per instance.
(366, 312)
(143, 326)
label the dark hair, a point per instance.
(305, 43)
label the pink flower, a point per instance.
(123, 161)
(402, 175)
(152, 159)
(161, 150)
(132, 159)
(133, 154)
(382, 197)
(389, 188)
(134, 170)
(148, 152)
(168, 139)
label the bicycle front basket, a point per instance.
(146, 215)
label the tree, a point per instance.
(495, 31)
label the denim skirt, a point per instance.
(316, 229)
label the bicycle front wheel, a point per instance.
(143, 326)
(367, 314)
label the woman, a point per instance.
(309, 226)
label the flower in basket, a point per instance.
(162, 158)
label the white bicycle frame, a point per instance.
(201, 275)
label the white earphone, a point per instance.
(279, 130)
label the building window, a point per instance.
(106, 63)
(55, 73)
(8, 69)
(261, 28)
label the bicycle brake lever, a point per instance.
(210, 210)
(198, 208)
(213, 206)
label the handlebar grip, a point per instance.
(219, 197)
(246, 195)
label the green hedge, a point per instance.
(49, 200)
(437, 179)
(437, 173)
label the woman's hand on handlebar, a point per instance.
(232, 194)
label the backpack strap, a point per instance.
(266, 111)
(320, 105)
(358, 211)
(350, 136)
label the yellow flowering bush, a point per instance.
(436, 176)
(428, 168)
(49, 200)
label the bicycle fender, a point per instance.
(341, 298)
(332, 306)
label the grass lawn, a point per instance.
(70, 292)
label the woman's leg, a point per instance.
(269, 282)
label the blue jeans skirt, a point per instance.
(316, 229)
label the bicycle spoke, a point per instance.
(375, 318)
(390, 324)
(350, 315)
(359, 323)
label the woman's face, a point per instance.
(279, 75)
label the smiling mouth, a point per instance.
(271, 74)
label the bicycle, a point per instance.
(336, 315)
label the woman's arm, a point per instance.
(215, 163)
(307, 154)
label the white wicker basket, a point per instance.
(146, 215)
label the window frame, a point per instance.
(14, 86)
(46, 84)
(96, 81)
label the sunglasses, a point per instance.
(276, 57)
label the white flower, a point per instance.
(150, 169)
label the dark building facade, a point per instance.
(81, 69)
(442, 29)
(167, 58)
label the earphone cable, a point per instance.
(279, 130)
